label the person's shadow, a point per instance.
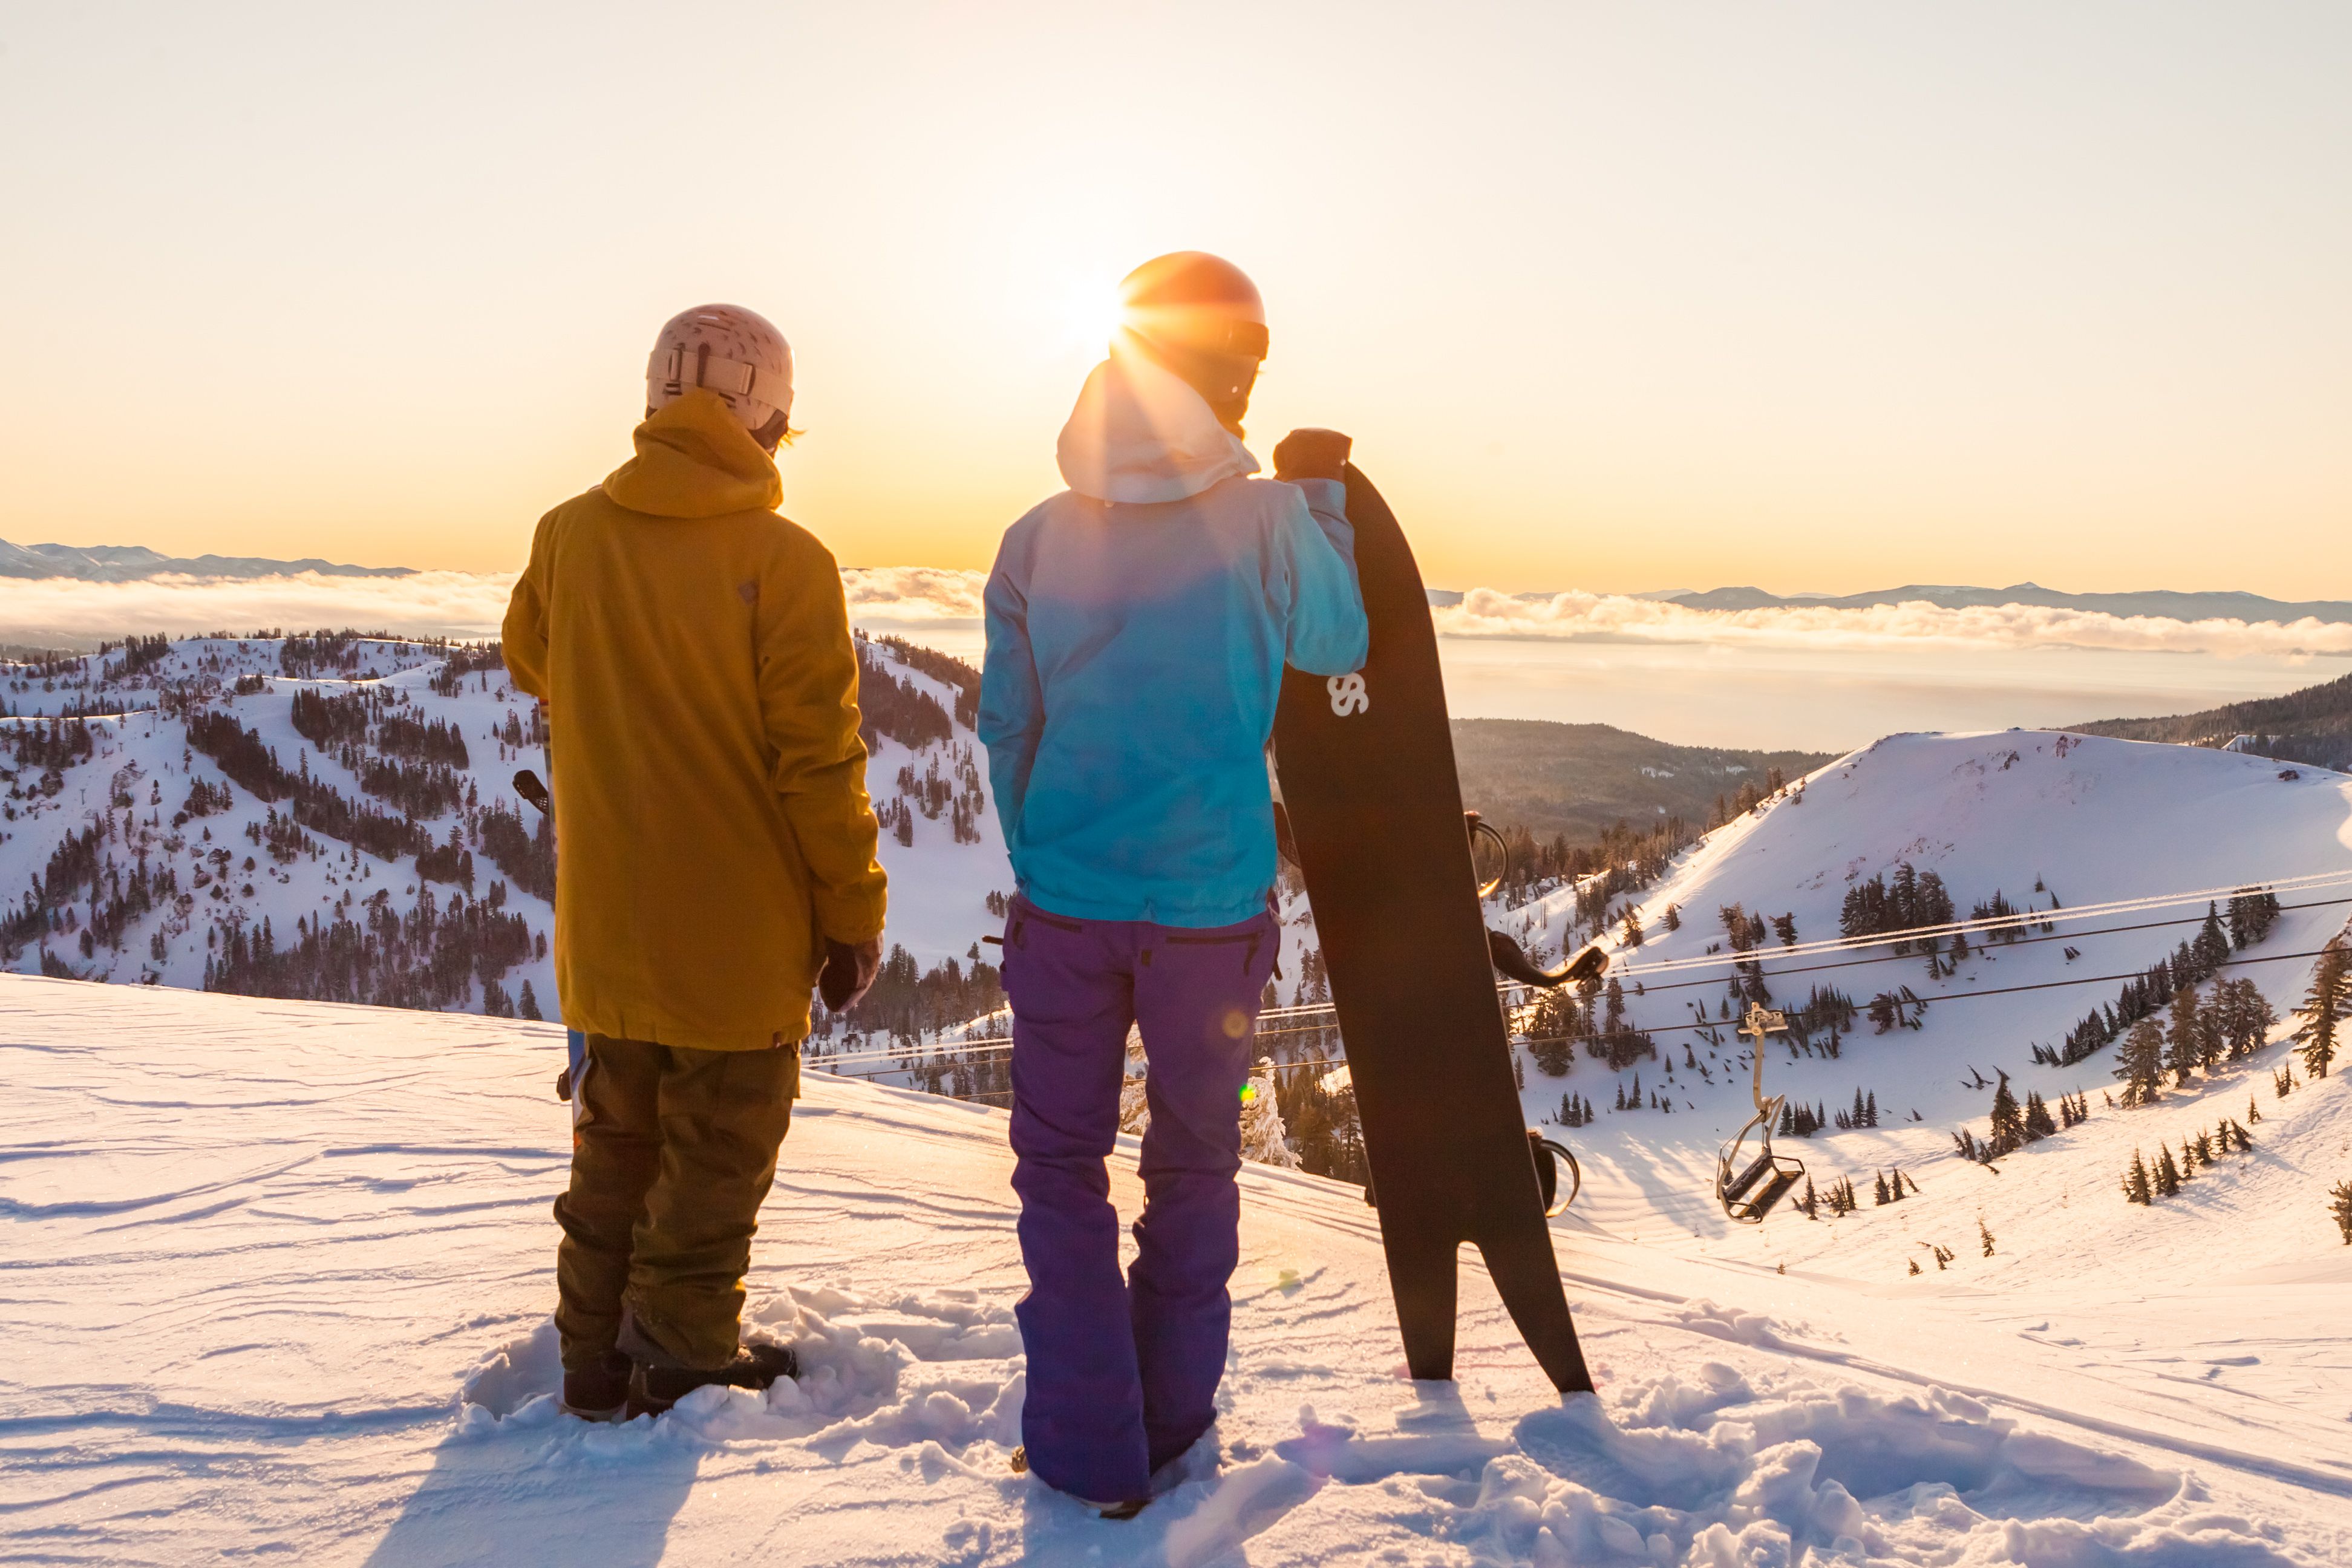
(518, 1482)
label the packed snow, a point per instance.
(281, 1271)
(281, 1276)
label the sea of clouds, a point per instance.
(62, 612)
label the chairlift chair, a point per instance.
(1749, 1185)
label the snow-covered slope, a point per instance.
(2034, 817)
(124, 766)
(280, 1276)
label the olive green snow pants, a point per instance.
(673, 1152)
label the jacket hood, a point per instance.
(695, 459)
(1140, 434)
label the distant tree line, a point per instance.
(945, 669)
(317, 805)
(888, 705)
(430, 958)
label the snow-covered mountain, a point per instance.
(283, 1270)
(168, 803)
(2019, 819)
(2169, 602)
(135, 562)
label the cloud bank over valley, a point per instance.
(69, 612)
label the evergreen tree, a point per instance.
(2324, 1005)
(2038, 1124)
(2185, 1048)
(1879, 1189)
(2136, 1183)
(2212, 946)
(1785, 928)
(1870, 1109)
(1265, 1139)
(1633, 929)
(528, 1005)
(1674, 917)
(2140, 1063)
(1984, 1234)
(2339, 1208)
(2007, 1120)
(2168, 1174)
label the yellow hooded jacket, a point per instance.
(711, 821)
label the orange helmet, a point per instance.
(1200, 317)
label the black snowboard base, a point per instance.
(1366, 763)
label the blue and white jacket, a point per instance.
(1137, 626)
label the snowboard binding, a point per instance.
(1510, 960)
(527, 785)
(1748, 1185)
(1512, 963)
(1549, 1156)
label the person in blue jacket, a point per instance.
(1138, 627)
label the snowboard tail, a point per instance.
(1366, 763)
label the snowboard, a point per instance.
(1366, 766)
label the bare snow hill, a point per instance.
(280, 1276)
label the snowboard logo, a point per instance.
(1348, 694)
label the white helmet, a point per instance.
(727, 350)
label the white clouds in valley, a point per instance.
(1485, 613)
(421, 604)
(463, 603)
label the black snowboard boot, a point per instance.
(598, 1393)
(654, 1389)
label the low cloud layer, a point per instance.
(913, 595)
(59, 611)
(1485, 613)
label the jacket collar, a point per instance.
(695, 459)
(1140, 434)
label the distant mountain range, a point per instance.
(130, 562)
(2153, 602)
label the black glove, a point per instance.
(848, 973)
(1312, 454)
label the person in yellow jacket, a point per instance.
(717, 854)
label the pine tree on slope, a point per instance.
(2323, 1007)
(2140, 1062)
(2185, 1048)
(2007, 1120)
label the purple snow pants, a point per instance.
(1123, 1374)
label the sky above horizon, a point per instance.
(1819, 297)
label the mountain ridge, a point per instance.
(2312, 725)
(2171, 604)
(136, 562)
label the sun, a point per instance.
(1090, 313)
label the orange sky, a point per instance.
(1822, 297)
